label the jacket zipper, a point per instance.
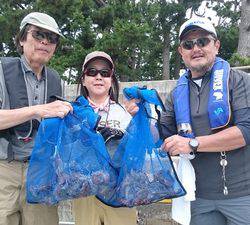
(198, 96)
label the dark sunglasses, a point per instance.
(41, 35)
(200, 42)
(92, 72)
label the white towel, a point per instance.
(181, 210)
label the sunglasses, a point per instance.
(41, 35)
(200, 42)
(92, 72)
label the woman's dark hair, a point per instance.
(113, 92)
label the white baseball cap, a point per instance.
(97, 54)
(194, 23)
(41, 20)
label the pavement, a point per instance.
(153, 214)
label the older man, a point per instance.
(209, 110)
(26, 85)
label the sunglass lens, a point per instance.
(92, 72)
(40, 35)
(202, 42)
(52, 38)
(188, 45)
(105, 73)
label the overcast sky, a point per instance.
(209, 13)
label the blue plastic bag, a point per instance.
(69, 159)
(146, 173)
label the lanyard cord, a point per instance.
(19, 137)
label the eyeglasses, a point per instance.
(200, 42)
(41, 35)
(92, 72)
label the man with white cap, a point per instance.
(209, 110)
(26, 85)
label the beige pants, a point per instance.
(90, 211)
(14, 210)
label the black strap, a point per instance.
(159, 114)
(10, 153)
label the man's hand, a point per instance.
(176, 145)
(53, 109)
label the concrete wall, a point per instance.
(162, 86)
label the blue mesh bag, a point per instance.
(146, 173)
(69, 159)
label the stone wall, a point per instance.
(162, 86)
(154, 214)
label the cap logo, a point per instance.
(195, 23)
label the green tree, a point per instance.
(127, 39)
(141, 36)
(228, 25)
(244, 32)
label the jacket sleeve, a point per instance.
(240, 101)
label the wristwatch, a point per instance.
(193, 144)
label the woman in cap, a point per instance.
(99, 85)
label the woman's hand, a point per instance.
(131, 106)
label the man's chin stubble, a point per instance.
(200, 69)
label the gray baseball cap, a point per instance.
(197, 23)
(97, 54)
(41, 20)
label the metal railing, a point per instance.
(244, 68)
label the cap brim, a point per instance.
(108, 60)
(98, 57)
(187, 30)
(45, 27)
